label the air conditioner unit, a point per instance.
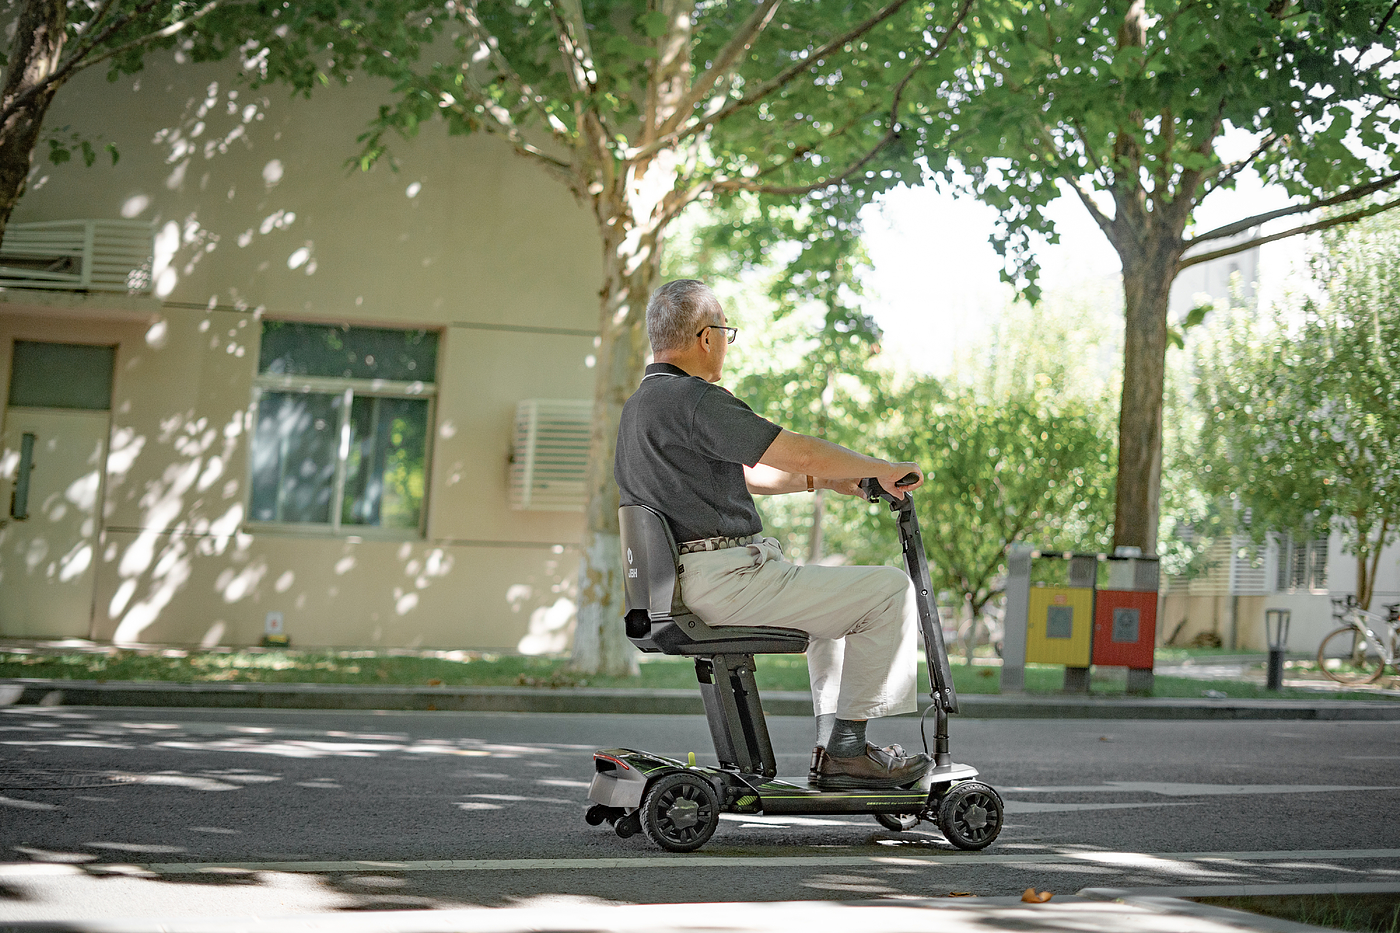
(549, 464)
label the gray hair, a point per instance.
(676, 311)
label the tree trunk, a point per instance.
(1366, 576)
(34, 56)
(632, 268)
(1147, 282)
(632, 206)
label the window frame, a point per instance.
(1303, 565)
(348, 389)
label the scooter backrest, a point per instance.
(649, 566)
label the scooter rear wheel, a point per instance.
(680, 812)
(970, 815)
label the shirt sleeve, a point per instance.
(724, 428)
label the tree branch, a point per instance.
(1091, 154)
(782, 79)
(497, 121)
(1241, 226)
(1226, 172)
(577, 54)
(162, 33)
(1180, 207)
(724, 62)
(1305, 228)
(561, 169)
(86, 45)
(486, 40)
(1103, 220)
(75, 62)
(97, 17)
(573, 43)
(1381, 28)
(832, 181)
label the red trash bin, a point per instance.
(1125, 628)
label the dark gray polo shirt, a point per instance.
(682, 445)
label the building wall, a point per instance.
(257, 218)
(1236, 612)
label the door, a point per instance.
(57, 422)
(48, 560)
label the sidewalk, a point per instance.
(624, 700)
(1090, 911)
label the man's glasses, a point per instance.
(729, 332)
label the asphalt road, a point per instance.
(246, 812)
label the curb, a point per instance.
(653, 702)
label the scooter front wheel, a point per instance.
(680, 812)
(970, 815)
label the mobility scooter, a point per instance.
(678, 803)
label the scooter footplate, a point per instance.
(797, 796)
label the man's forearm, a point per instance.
(800, 455)
(764, 480)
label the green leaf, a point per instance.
(653, 24)
(623, 47)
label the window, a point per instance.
(61, 375)
(341, 437)
(1302, 565)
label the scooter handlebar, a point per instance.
(874, 492)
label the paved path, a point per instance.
(198, 813)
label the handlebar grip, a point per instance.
(874, 492)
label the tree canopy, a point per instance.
(1126, 106)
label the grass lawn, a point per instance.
(464, 668)
(1363, 913)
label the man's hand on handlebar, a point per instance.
(901, 478)
(898, 479)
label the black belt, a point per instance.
(715, 544)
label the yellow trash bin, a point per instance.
(1061, 625)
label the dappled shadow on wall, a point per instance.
(338, 455)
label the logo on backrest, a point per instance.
(631, 571)
(629, 555)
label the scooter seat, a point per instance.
(686, 635)
(658, 621)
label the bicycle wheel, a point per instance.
(1349, 656)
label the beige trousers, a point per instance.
(862, 656)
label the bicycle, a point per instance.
(1357, 653)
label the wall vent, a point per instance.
(549, 464)
(79, 255)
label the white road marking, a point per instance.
(671, 862)
(1021, 807)
(26, 804)
(1188, 790)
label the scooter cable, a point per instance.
(923, 732)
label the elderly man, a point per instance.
(693, 452)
